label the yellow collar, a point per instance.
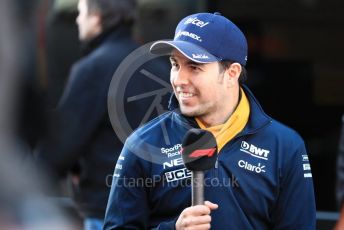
(235, 124)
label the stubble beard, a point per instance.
(199, 111)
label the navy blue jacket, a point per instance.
(83, 138)
(340, 169)
(262, 178)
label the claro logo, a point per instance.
(254, 150)
(253, 168)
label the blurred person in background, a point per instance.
(22, 201)
(81, 140)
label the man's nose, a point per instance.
(181, 77)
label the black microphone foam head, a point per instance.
(199, 150)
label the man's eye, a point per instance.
(174, 65)
(195, 67)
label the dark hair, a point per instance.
(114, 12)
(225, 65)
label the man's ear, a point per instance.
(232, 74)
(96, 20)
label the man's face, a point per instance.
(198, 87)
(88, 23)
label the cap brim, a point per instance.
(188, 49)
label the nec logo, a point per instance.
(173, 163)
(254, 150)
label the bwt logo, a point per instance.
(254, 150)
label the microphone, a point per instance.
(199, 153)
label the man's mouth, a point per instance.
(185, 95)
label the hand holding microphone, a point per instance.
(199, 154)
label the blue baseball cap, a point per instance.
(205, 38)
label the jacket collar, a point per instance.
(257, 119)
(108, 34)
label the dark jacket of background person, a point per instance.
(62, 48)
(340, 180)
(82, 136)
(340, 168)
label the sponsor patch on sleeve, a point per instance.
(306, 167)
(304, 158)
(307, 175)
(119, 166)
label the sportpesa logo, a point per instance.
(173, 151)
(254, 150)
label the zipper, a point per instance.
(216, 168)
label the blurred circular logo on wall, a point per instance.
(139, 91)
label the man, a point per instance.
(262, 177)
(83, 141)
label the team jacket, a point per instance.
(261, 180)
